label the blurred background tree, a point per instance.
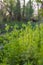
(29, 10)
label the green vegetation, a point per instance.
(21, 32)
(22, 46)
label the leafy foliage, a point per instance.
(23, 46)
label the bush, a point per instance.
(24, 46)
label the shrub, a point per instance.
(24, 46)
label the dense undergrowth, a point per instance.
(22, 46)
(9, 26)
